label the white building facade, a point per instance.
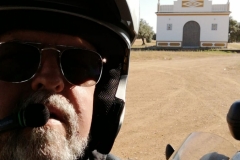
(192, 24)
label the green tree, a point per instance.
(145, 31)
(234, 30)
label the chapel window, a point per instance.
(169, 26)
(214, 26)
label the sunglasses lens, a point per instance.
(81, 67)
(18, 62)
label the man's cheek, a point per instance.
(82, 101)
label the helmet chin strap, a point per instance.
(121, 94)
(113, 122)
(121, 91)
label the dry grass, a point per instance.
(138, 44)
(234, 46)
(170, 55)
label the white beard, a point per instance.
(44, 143)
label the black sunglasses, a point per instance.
(19, 62)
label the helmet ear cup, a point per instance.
(107, 111)
(107, 127)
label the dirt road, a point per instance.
(169, 98)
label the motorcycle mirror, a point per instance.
(168, 151)
(233, 119)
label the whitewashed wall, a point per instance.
(205, 22)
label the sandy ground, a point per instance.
(168, 98)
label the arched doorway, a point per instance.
(191, 35)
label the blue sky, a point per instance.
(149, 7)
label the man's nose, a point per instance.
(49, 76)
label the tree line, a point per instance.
(234, 30)
(146, 31)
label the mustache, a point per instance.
(40, 96)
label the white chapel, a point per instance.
(192, 24)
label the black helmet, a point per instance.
(110, 25)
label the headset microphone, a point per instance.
(34, 115)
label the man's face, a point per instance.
(70, 106)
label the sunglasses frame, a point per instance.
(60, 49)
